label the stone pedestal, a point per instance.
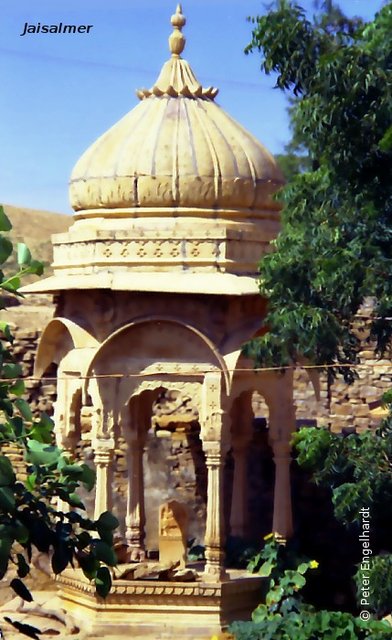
(155, 610)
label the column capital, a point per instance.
(281, 448)
(103, 444)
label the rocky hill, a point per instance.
(35, 228)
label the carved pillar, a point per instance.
(64, 425)
(135, 518)
(134, 430)
(215, 446)
(215, 526)
(103, 445)
(282, 425)
(103, 458)
(282, 524)
(241, 437)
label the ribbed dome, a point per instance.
(177, 148)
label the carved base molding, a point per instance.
(160, 610)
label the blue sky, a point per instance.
(60, 92)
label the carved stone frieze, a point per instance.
(139, 253)
(186, 389)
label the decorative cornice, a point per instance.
(178, 80)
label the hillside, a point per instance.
(34, 228)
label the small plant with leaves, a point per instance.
(284, 615)
(29, 520)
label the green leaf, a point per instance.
(266, 569)
(5, 329)
(46, 421)
(24, 255)
(7, 499)
(36, 268)
(21, 533)
(23, 567)
(303, 567)
(7, 407)
(260, 613)
(61, 557)
(41, 430)
(21, 589)
(12, 284)
(386, 141)
(5, 249)
(25, 629)
(75, 501)
(84, 539)
(104, 553)
(24, 409)
(7, 475)
(17, 426)
(89, 565)
(11, 370)
(74, 471)
(42, 454)
(5, 223)
(6, 541)
(107, 521)
(18, 388)
(30, 481)
(88, 480)
(103, 582)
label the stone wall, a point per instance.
(340, 406)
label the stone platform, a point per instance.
(160, 610)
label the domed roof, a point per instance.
(177, 148)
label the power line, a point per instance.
(126, 68)
(193, 373)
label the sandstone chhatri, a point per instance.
(156, 291)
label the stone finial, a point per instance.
(177, 39)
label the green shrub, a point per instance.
(285, 616)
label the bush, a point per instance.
(285, 616)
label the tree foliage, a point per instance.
(29, 520)
(334, 249)
(357, 470)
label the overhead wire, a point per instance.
(193, 373)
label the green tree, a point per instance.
(334, 249)
(29, 520)
(356, 470)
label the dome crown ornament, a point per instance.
(177, 39)
(177, 78)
